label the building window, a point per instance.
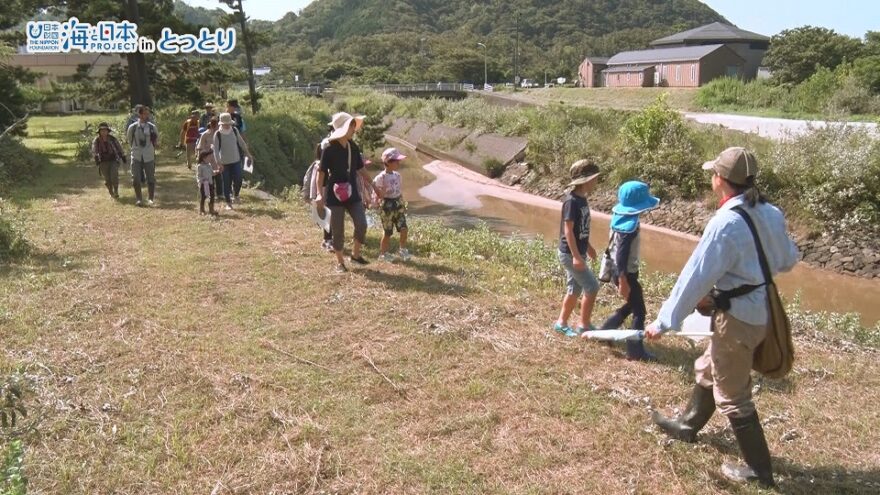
(627, 77)
(694, 72)
(678, 73)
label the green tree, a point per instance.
(866, 70)
(795, 54)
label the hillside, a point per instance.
(418, 40)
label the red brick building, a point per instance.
(630, 76)
(683, 67)
(686, 59)
(590, 72)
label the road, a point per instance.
(777, 129)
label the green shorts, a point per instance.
(393, 215)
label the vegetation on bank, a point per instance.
(827, 179)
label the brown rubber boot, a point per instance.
(692, 420)
(753, 445)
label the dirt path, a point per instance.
(173, 353)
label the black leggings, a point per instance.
(635, 306)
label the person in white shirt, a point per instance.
(143, 136)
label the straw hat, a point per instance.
(583, 171)
(225, 118)
(340, 123)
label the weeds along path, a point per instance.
(173, 353)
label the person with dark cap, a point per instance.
(727, 266)
(108, 156)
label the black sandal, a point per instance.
(359, 260)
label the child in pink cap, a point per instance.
(392, 208)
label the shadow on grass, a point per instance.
(404, 283)
(43, 262)
(796, 479)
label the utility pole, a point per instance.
(485, 65)
(516, 51)
(252, 85)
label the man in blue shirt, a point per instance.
(726, 259)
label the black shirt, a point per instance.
(576, 209)
(334, 163)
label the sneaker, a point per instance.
(340, 268)
(404, 254)
(564, 330)
(228, 206)
(359, 260)
(138, 203)
(387, 257)
(583, 331)
(150, 202)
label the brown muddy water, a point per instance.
(461, 197)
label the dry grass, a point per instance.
(617, 98)
(173, 353)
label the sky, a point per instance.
(768, 17)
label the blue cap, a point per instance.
(633, 198)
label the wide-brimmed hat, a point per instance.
(391, 155)
(103, 125)
(583, 171)
(340, 123)
(735, 164)
(225, 118)
(633, 198)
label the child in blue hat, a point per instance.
(633, 200)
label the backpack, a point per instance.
(220, 142)
(307, 181)
(774, 357)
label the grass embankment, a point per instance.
(756, 98)
(683, 99)
(171, 353)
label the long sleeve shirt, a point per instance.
(726, 258)
(140, 138)
(107, 150)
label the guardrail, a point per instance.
(307, 90)
(439, 87)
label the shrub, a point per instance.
(832, 173)
(18, 163)
(13, 243)
(722, 92)
(852, 98)
(656, 145)
(812, 95)
(494, 168)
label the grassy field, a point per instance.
(682, 99)
(618, 98)
(166, 352)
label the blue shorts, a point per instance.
(578, 281)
